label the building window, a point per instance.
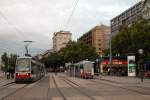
(99, 43)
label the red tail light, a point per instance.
(24, 75)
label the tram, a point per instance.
(84, 69)
(27, 69)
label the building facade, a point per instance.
(146, 10)
(46, 53)
(97, 37)
(60, 39)
(131, 16)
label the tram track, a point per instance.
(7, 85)
(16, 91)
(135, 89)
(78, 88)
(60, 92)
(146, 88)
(48, 96)
(106, 80)
(122, 86)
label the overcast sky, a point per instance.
(37, 20)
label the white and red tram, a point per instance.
(84, 69)
(27, 69)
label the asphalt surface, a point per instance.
(63, 87)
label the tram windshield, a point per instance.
(23, 65)
(88, 67)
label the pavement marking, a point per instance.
(79, 98)
(17, 86)
(99, 98)
(57, 98)
(31, 85)
(74, 98)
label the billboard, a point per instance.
(131, 66)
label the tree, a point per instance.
(4, 58)
(73, 52)
(130, 39)
(12, 60)
(9, 62)
(77, 51)
(122, 42)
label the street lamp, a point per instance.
(97, 66)
(8, 68)
(110, 54)
(140, 51)
(26, 47)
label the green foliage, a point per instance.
(4, 58)
(77, 51)
(106, 52)
(73, 52)
(12, 60)
(9, 62)
(130, 39)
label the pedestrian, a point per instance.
(55, 71)
(12, 72)
(142, 75)
(141, 72)
(8, 73)
(108, 71)
(100, 75)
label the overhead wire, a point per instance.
(19, 31)
(6, 46)
(71, 15)
(10, 23)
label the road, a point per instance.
(62, 87)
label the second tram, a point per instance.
(84, 69)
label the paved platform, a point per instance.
(4, 80)
(126, 80)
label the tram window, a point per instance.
(23, 65)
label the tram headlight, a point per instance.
(17, 74)
(28, 74)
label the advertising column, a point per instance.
(131, 66)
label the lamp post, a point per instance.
(140, 63)
(8, 68)
(97, 67)
(140, 51)
(110, 55)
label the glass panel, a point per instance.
(88, 67)
(23, 65)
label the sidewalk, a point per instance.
(126, 80)
(4, 80)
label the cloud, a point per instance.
(37, 20)
(94, 12)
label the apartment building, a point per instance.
(60, 39)
(131, 15)
(97, 37)
(146, 10)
